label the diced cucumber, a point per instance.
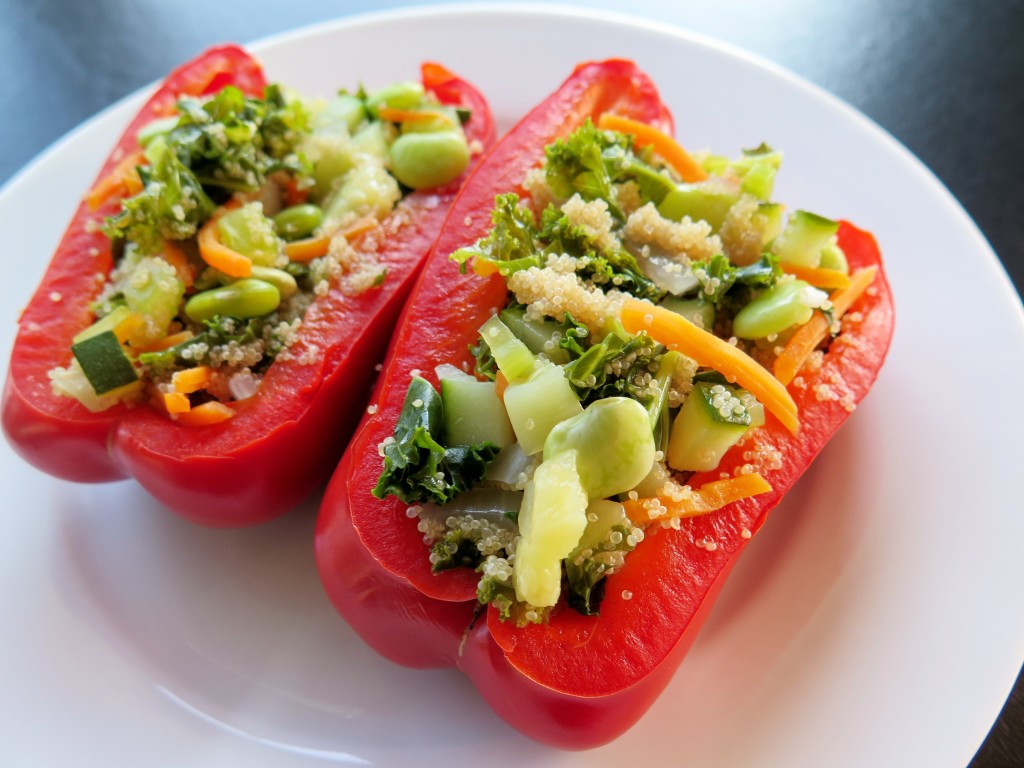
(536, 405)
(551, 522)
(538, 335)
(775, 310)
(708, 201)
(803, 239)
(698, 311)
(711, 421)
(474, 414)
(249, 232)
(512, 356)
(104, 362)
(613, 443)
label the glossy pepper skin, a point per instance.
(282, 442)
(576, 682)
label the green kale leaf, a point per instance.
(417, 466)
(511, 244)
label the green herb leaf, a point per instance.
(417, 466)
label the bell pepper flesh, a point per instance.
(575, 682)
(280, 445)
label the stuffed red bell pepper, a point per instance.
(618, 359)
(211, 319)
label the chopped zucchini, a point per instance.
(104, 362)
(711, 421)
(805, 236)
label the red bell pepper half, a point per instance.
(576, 681)
(279, 445)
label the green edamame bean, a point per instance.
(396, 96)
(773, 311)
(284, 282)
(246, 298)
(298, 221)
(424, 160)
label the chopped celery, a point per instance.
(512, 356)
(613, 444)
(540, 336)
(551, 522)
(536, 405)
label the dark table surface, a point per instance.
(943, 76)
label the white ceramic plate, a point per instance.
(872, 622)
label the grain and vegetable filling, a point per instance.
(235, 215)
(659, 303)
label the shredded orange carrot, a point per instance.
(191, 379)
(175, 402)
(813, 332)
(307, 249)
(676, 332)
(393, 115)
(708, 498)
(663, 144)
(817, 276)
(219, 256)
(176, 257)
(212, 412)
(314, 247)
(500, 385)
(165, 343)
(122, 181)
